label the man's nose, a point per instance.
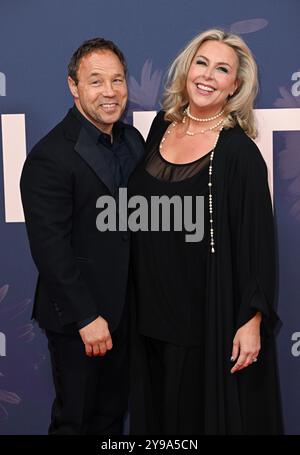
(108, 89)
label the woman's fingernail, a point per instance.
(232, 359)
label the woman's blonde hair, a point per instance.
(239, 108)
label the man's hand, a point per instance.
(96, 337)
(246, 344)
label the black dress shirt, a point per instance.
(118, 157)
(116, 151)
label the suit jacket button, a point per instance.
(125, 237)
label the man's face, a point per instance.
(101, 93)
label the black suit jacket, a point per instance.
(82, 272)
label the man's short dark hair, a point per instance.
(89, 46)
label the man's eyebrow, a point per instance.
(98, 73)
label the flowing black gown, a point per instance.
(187, 303)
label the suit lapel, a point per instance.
(135, 144)
(91, 154)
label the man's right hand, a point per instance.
(96, 337)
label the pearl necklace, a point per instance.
(210, 202)
(210, 170)
(198, 119)
(202, 131)
(164, 137)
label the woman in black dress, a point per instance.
(203, 352)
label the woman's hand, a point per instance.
(246, 344)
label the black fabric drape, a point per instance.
(240, 282)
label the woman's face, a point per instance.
(211, 78)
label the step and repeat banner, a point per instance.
(37, 39)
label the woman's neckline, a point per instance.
(183, 164)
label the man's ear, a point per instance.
(73, 87)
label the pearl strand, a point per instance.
(192, 133)
(199, 119)
(210, 170)
(210, 201)
(167, 132)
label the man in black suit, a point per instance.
(80, 297)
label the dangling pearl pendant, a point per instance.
(210, 198)
(210, 173)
